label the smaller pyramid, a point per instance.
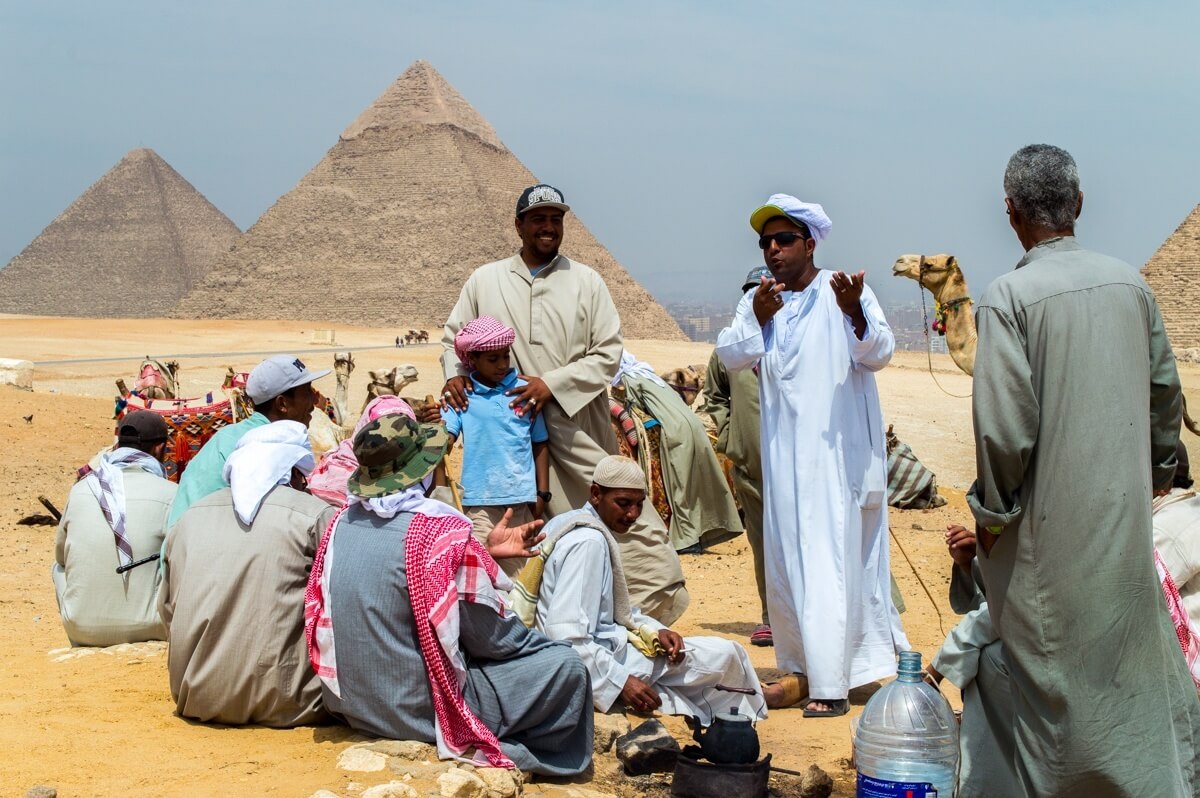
(132, 245)
(1173, 273)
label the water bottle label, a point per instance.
(879, 788)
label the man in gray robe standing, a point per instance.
(1076, 404)
(567, 349)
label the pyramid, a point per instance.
(132, 245)
(1173, 273)
(417, 192)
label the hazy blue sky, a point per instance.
(664, 123)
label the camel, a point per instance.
(235, 388)
(688, 382)
(942, 277)
(157, 381)
(390, 383)
(343, 364)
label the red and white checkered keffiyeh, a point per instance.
(445, 564)
(1185, 630)
(483, 334)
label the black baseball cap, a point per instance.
(541, 196)
(142, 428)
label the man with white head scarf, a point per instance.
(816, 339)
(115, 515)
(575, 591)
(233, 597)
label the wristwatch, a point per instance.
(545, 495)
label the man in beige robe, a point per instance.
(237, 564)
(567, 348)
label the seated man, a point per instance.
(233, 597)
(580, 597)
(1177, 535)
(425, 649)
(281, 389)
(115, 515)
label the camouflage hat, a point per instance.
(394, 453)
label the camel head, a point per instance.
(688, 382)
(405, 374)
(343, 364)
(393, 380)
(933, 272)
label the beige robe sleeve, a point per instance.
(577, 383)
(466, 309)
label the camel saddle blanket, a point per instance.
(911, 486)
(191, 422)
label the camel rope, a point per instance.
(936, 608)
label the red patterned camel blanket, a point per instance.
(191, 423)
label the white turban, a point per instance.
(615, 471)
(810, 213)
(264, 458)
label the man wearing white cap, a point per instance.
(575, 591)
(817, 338)
(236, 567)
(567, 349)
(280, 388)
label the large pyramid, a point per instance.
(132, 245)
(415, 194)
(1174, 274)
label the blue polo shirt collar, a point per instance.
(509, 381)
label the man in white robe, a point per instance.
(631, 657)
(567, 349)
(816, 339)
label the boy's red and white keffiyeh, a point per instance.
(484, 334)
(1185, 630)
(444, 564)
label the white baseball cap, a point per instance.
(277, 375)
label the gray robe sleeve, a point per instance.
(1166, 402)
(717, 394)
(575, 384)
(1006, 415)
(484, 635)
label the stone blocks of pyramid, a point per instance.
(417, 192)
(1173, 273)
(135, 243)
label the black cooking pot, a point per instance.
(730, 740)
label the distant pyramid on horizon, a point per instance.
(1173, 273)
(132, 245)
(417, 192)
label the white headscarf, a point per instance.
(630, 366)
(410, 500)
(264, 458)
(811, 213)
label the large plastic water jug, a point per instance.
(906, 745)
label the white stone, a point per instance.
(461, 784)
(324, 794)
(501, 782)
(18, 373)
(393, 789)
(361, 760)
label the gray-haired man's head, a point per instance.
(1043, 184)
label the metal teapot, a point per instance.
(730, 740)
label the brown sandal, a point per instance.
(795, 690)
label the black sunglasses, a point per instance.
(785, 239)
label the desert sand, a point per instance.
(101, 723)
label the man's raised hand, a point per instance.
(767, 300)
(506, 541)
(848, 290)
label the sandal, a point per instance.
(837, 708)
(795, 690)
(761, 636)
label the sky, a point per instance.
(663, 123)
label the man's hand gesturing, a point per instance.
(767, 300)
(848, 291)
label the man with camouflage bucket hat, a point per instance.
(425, 646)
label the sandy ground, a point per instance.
(103, 724)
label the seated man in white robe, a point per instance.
(1177, 535)
(577, 588)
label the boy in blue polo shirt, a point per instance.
(506, 459)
